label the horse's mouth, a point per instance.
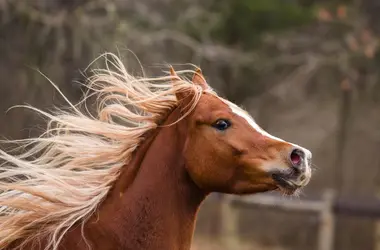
(284, 184)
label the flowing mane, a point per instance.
(63, 176)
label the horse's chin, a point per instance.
(287, 191)
(286, 185)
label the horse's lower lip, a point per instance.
(284, 184)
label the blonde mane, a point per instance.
(63, 176)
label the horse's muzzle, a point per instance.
(297, 175)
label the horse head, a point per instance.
(227, 151)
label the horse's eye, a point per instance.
(222, 124)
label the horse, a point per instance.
(133, 174)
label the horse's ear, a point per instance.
(173, 74)
(199, 79)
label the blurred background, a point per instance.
(307, 71)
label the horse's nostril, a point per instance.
(296, 157)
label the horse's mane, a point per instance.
(62, 176)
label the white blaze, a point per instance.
(240, 112)
(270, 165)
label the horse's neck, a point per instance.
(154, 203)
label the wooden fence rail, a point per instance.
(326, 208)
